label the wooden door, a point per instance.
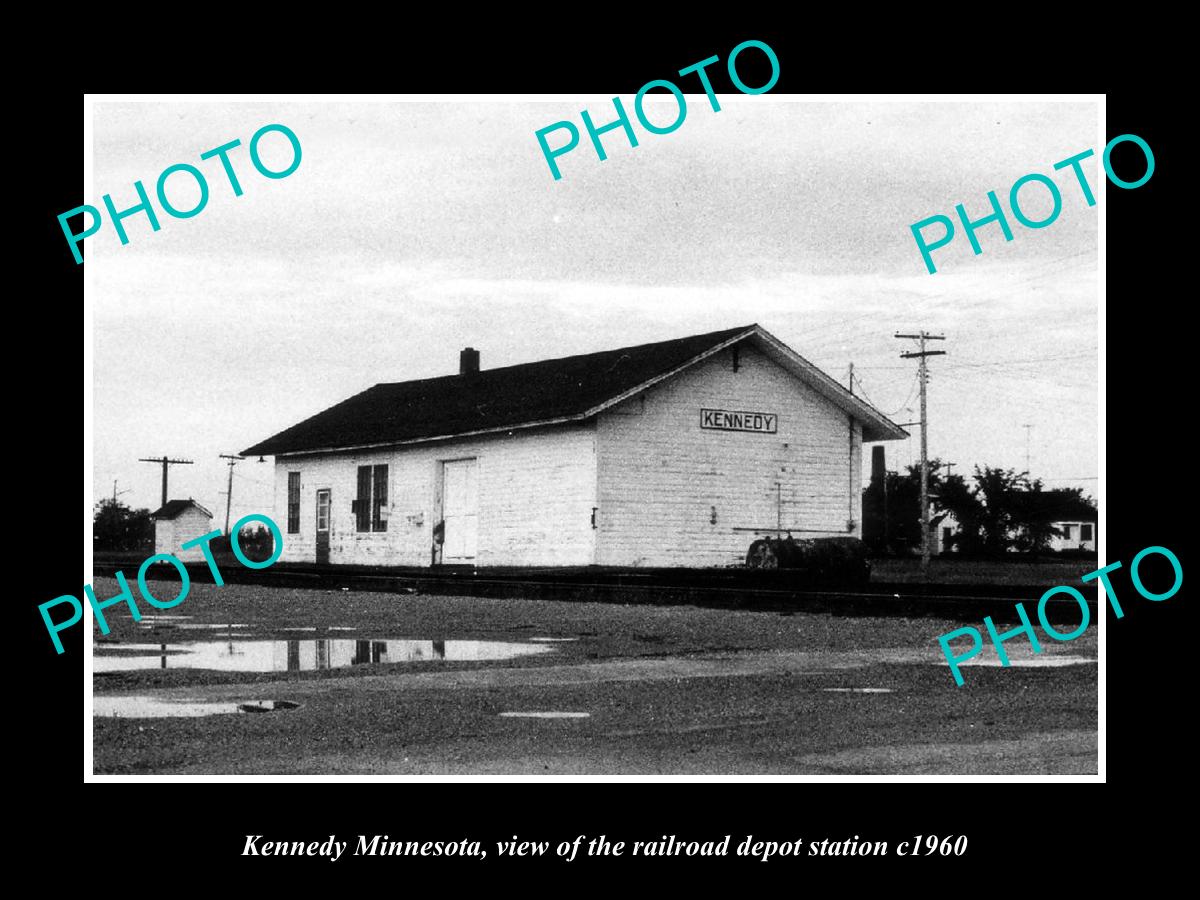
(460, 511)
(323, 507)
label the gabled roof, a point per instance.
(176, 508)
(550, 392)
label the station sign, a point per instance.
(741, 420)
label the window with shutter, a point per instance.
(379, 506)
(362, 506)
(293, 501)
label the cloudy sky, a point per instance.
(413, 229)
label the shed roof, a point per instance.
(176, 508)
(549, 392)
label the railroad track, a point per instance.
(722, 588)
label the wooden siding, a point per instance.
(536, 493)
(662, 476)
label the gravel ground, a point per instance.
(662, 690)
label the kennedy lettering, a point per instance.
(739, 420)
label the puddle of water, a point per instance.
(164, 618)
(188, 626)
(1020, 656)
(549, 640)
(858, 690)
(341, 628)
(297, 655)
(156, 708)
(302, 628)
(265, 706)
(545, 715)
(151, 708)
(137, 649)
(1033, 662)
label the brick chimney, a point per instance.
(878, 469)
(468, 361)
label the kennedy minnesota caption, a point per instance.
(378, 845)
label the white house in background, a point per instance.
(177, 522)
(942, 527)
(1079, 534)
(677, 453)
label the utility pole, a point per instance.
(233, 461)
(117, 493)
(164, 461)
(1027, 428)
(950, 468)
(923, 377)
(851, 379)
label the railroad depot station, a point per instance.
(672, 454)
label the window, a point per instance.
(293, 512)
(370, 509)
(379, 506)
(1066, 529)
(1085, 531)
(362, 506)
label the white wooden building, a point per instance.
(177, 522)
(678, 453)
(1078, 534)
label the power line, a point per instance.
(862, 390)
(996, 364)
(1020, 362)
(903, 406)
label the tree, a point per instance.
(1001, 510)
(1005, 510)
(892, 519)
(117, 527)
(994, 513)
(998, 491)
(960, 501)
(1039, 509)
(1032, 526)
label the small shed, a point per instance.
(178, 522)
